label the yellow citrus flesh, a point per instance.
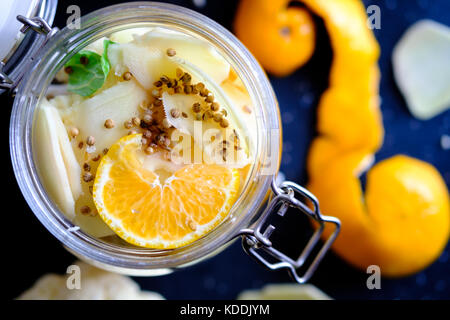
(147, 212)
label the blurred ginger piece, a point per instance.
(280, 36)
(96, 284)
(422, 69)
(285, 291)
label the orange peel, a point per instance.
(402, 221)
(397, 225)
(402, 224)
(288, 34)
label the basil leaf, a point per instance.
(105, 61)
(88, 71)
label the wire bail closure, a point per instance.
(255, 238)
(38, 25)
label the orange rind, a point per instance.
(401, 223)
(281, 37)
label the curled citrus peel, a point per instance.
(402, 222)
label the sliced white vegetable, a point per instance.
(73, 169)
(422, 69)
(145, 62)
(194, 50)
(202, 131)
(235, 118)
(146, 56)
(285, 292)
(96, 46)
(96, 284)
(128, 35)
(93, 226)
(118, 103)
(49, 156)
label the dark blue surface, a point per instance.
(230, 272)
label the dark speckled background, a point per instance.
(36, 252)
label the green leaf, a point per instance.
(105, 61)
(88, 71)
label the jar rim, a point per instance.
(59, 49)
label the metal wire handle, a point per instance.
(255, 239)
(38, 25)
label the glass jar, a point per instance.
(246, 219)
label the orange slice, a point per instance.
(148, 212)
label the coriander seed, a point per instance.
(166, 124)
(127, 76)
(160, 139)
(204, 92)
(171, 52)
(147, 134)
(149, 150)
(86, 167)
(187, 89)
(84, 60)
(200, 86)
(224, 123)
(136, 121)
(207, 115)
(147, 118)
(85, 210)
(109, 124)
(186, 78)
(196, 107)
(88, 177)
(90, 141)
(128, 124)
(74, 132)
(68, 70)
(215, 106)
(175, 113)
(217, 117)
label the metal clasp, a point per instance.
(38, 25)
(256, 239)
